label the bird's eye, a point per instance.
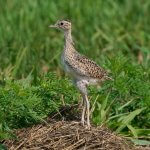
(61, 23)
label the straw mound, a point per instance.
(66, 135)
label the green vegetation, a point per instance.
(115, 34)
(23, 104)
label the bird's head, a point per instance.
(63, 25)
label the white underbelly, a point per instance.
(75, 75)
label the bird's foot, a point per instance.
(82, 122)
(88, 127)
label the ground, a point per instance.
(67, 135)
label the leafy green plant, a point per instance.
(123, 103)
(23, 104)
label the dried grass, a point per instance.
(67, 135)
(54, 134)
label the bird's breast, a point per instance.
(64, 64)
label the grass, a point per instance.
(109, 27)
(23, 104)
(122, 104)
(115, 34)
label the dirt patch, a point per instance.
(67, 135)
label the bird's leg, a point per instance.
(83, 112)
(87, 111)
(82, 86)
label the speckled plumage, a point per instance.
(85, 67)
(82, 70)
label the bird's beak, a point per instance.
(52, 26)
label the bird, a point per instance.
(82, 70)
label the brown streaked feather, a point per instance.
(86, 67)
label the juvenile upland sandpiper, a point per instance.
(82, 70)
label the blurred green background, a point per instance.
(101, 28)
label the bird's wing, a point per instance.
(86, 67)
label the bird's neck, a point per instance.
(68, 41)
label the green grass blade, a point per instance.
(141, 142)
(133, 130)
(127, 119)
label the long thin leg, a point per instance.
(82, 87)
(88, 110)
(83, 113)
